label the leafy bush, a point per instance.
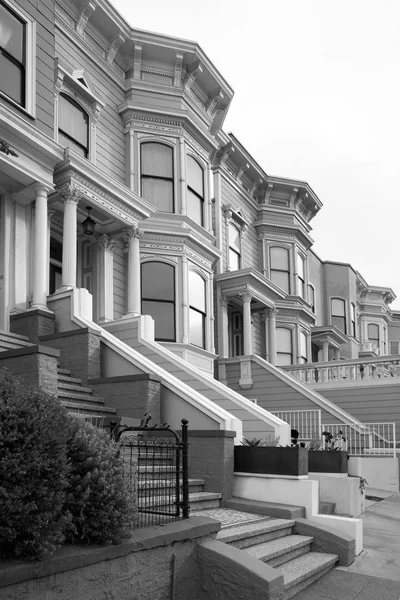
(33, 470)
(270, 440)
(99, 497)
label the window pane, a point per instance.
(194, 207)
(158, 281)
(373, 332)
(353, 312)
(194, 176)
(159, 192)
(337, 307)
(301, 287)
(163, 314)
(283, 359)
(312, 297)
(11, 79)
(234, 260)
(197, 291)
(234, 238)
(303, 345)
(65, 141)
(284, 340)
(300, 266)
(394, 347)
(281, 279)
(279, 258)
(73, 121)
(196, 328)
(157, 160)
(340, 323)
(11, 35)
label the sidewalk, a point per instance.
(375, 574)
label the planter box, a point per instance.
(324, 461)
(271, 460)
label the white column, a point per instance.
(247, 341)
(337, 354)
(182, 175)
(106, 278)
(223, 337)
(272, 336)
(218, 218)
(207, 199)
(71, 197)
(265, 320)
(132, 237)
(210, 297)
(185, 301)
(131, 159)
(50, 214)
(41, 257)
(325, 350)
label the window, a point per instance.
(311, 297)
(279, 261)
(158, 298)
(300, 275)
(338, 314)
(73, 125)
(234, 247)
(353, 320)
(284, 346)
(12, 55)
(195, 191)
(373, 334)
(394, 347)
(55, 271)
(237, 334)
(157, 175)
(197, 310)
(303, 348)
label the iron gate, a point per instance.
(156, 463)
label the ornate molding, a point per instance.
(69, 193)
(5, 147)
(85, 14)
(213, 100)
(131, 233)
(224, 301)
(115, 45)
(245, 296)
(242, 171)
(255, 186)
(108, 244)
(178, 69)
(193, 72)
(268, 192)
(137, 60)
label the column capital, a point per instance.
(224, 301)
(246, 296)
(42, 188)
(50, 213)
(69, 193)
(273, 313)
(130, 233)
(107, 243)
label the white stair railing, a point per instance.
(375, 439)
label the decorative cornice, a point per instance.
(213, 99)
(193, 71)
(178, 69)
(242, 171)
(115, 45)
(84, 16)
(137, 60)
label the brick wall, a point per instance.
(34, 365)
(211, 459)
(33, 324)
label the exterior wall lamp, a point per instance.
(88, 224)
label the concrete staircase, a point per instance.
(12, 341)
(271, 540)
(79, 399)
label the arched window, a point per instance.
(338, 314)
(197, 310)
(279, 267)
(300, 275)
(234, 247)
(373, 334)
(303, 348)
(73, 125)
(158, 298)
(195, 191)
(284, 346)
(157, 175)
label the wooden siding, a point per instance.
(119, 281)
(229, 195)
(272, 393)
(258, 337)
(110, 138)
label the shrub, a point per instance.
(99, 497)
(33, 470)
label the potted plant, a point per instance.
(269, 458)
(330, 456)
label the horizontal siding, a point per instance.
(119, 281)
(110, 142)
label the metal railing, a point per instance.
(374, 439)
(156, 464)
(306, 422)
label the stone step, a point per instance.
(68, 379)
(74, 387)
(243, 536)
(281, 550)
(4, 346)
(14, 336)
(143, 490)
(197, 501)
(63, 371)
(70, 396)
(92, 409)
(326, 508)
(300, 572)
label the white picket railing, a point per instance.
(375, 439)
(306, 422)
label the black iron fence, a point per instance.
(156, 463)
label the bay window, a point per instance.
(279, 267)
(158, 298)
(195, 191)
(157, 175)
(284, 346)
(338, 314)
(373, 334)
(300, 275)
(197, 309)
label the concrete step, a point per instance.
(281, 550)
(84, 408)
(4, 346)
(197, 501)
(326, 508)
(69, 396)
(63, 371)
(300, 572)
(68, 379)
(148, 487)
(259, 532)
(74, 387)
(14, 336)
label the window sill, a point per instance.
(17, 106)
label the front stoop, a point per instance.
(77, 398)
(271, 540)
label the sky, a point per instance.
(317, 98)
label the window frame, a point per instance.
(378, 339)
(198, 311)
(278, 353)
(274, 270)
(161, 301)
(313, 294)
(390, 347)
(301, 281)
(233, 250)
(344, 316)
(353, 321)
(303, 359)
(193, 191)
(29, 60)
(155, 177)
(74, 102)
(233, 217)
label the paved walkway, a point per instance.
(375, 574)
